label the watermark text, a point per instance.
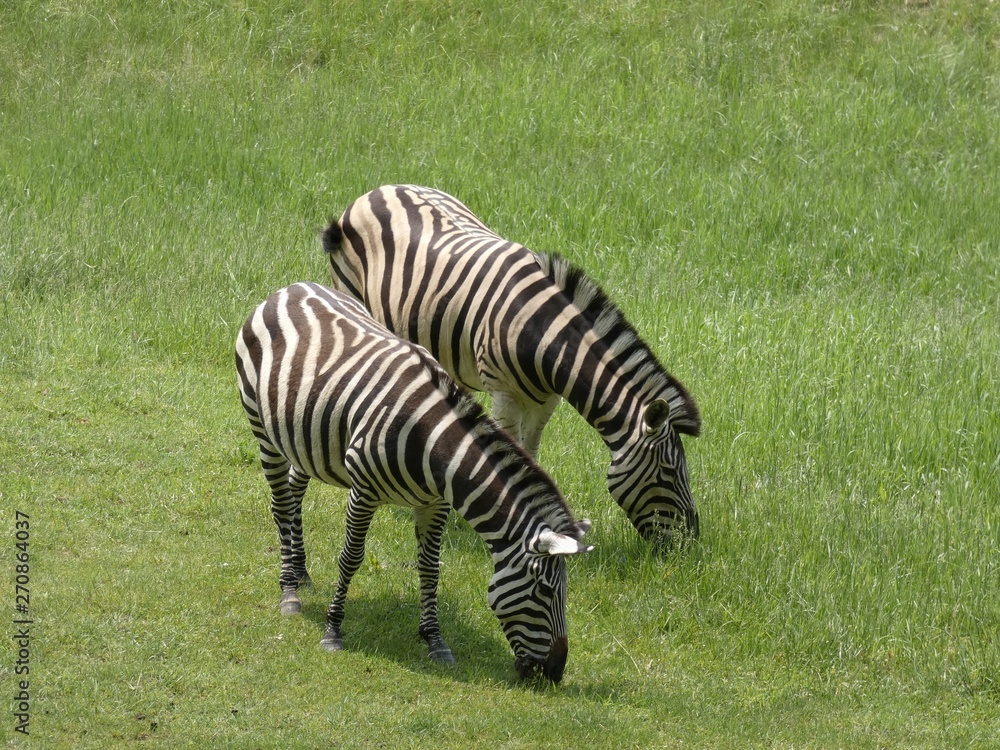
(21, 625)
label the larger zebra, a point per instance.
(331, 394)
(529, 329)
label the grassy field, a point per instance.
(796, 203)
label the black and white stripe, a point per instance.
(331, 394)
(528, 328)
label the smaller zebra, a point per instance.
(331, 394)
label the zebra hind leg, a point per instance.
(298, 482)
(286, 510)
(359, 517)
(429, 522)
(291, 604)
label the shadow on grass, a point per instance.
(382, 625)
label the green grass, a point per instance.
(795, 203)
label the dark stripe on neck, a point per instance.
(644, 379)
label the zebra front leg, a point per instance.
(533, 421)
(429, 522)
(359, 517)
(507, 411)
(524, 422)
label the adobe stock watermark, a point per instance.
(21, 631)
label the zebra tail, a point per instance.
(332, 236)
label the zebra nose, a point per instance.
(556, 661)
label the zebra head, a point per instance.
(648, 476)
(528, 595)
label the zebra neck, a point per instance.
(496, 487)
(609, 389)
(597, 361)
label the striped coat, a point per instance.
(529, 329)
(330, 394)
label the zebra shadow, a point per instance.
(383, 626)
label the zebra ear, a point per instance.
(655, 416)
(582, 527)
(552, 543)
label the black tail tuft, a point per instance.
(332, 236)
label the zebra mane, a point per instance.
(624, 342)
(536, 487)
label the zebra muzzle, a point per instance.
(531, 667)
(556, 662)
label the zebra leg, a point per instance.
(533, 421)
(298, 482)
(429, 522)
(359, 517)
(507, 411)
(286, 510)
(524, 422)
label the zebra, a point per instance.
(330, 394)
(530, 329)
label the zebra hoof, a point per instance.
(442, 655)
(331, 641)
(290, 603)
(332, 644)
(438, 651)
